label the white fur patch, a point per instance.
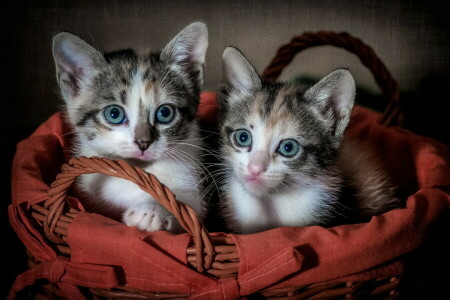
(300, 207)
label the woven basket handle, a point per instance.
(147, 182)
(387, 84)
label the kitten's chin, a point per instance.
(146, 156)
(141, 159)
(261, 186)
(254, 182)
(139, 162)
(254, 185)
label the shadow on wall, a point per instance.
(425, 110)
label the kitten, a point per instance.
(140, 107)
(286, 163)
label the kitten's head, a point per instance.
(131, 105)
(279, 135)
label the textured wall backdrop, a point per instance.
(409, 36)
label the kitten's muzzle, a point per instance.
(258, 163)
(143, 145)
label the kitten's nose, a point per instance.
(258, 163)
(143, 145)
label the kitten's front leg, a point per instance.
(151, 217)
(139, 208)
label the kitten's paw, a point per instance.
(149, 218)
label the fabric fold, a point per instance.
(267, 273)
(153, 261)
(61, 271)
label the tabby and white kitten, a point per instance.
(140, 107)
(285, 160)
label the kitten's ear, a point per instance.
(76, 63)
(334, 97)
(188, 48)
(238, 74)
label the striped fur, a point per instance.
(266, 189)
(139, 84)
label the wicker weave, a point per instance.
(220, 257)
(214, 255)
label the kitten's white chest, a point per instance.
(296, 208)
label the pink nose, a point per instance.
(258, 163)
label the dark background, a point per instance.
(411, 37)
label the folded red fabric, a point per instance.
(106, 253)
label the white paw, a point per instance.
(149, 218)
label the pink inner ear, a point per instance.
(344, 99)
(75, 60)
(258, 163)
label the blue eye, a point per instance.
(165, 114)
(288, 148)
(243, 137)
(115, 114)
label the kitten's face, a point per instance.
(271, 140)
(278, 136)
(129, 105)
(135, 108)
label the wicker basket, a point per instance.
(214, 254)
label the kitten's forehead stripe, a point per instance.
(270, 90)
(143, 111)
(149, 86)
(125, 55)
(238, 114)
(257, 105)
(123, 97)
